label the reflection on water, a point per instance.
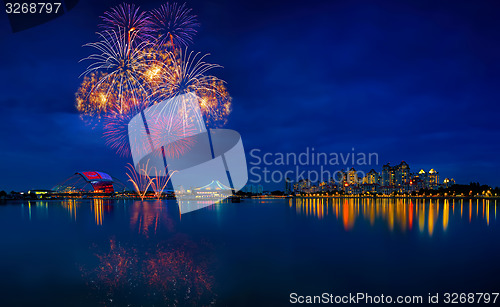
(154, 264)
(401, 213)
(158, 267)
(167, 273)
(146, 217)
(144, 253)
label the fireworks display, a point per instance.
(159, 183)
(173, 23)
(122, 65)
(116, 132)
(141, 59)
(173, 135)
(126, 18)
(142, 181)
(186, 73)
(175, 272)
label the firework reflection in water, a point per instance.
(169, 273)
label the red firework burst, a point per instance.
(173, 134)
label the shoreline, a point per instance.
(269, 197)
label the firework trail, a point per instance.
(173, 23)
(126, 18)
(141, 182)
(159, 182)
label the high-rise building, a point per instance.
(402, 174)
(352, 176)
(288, 186)
(303, 186)
(371, 177)
(433, 178)
(341, 177)
(430, 180)
(387, 175)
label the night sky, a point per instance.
(411, 80)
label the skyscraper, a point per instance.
(288, 186)
(387, 175)
(402, 174)
(352, 176)
(372, 177)
(433, 179)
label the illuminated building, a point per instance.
(341, 177)
(372, 188)
(448, 182)
(433, 179)
(90, 182)
(386, 190)
(402, 174)
(371, 178)
(352, 176)
(303, 186)
(353, 189)
(324, 187)
(424, 180)
(416, 183)
(39, 194)
(214, 189)
(387, 178)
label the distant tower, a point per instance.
(288, 186)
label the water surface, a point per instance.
(115, 253)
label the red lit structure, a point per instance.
(90, 182)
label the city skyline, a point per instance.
(390, 179)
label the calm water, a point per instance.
(116, 253)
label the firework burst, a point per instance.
(126, 18)
(215, 103)
(90, 100)
(116, 131)
(132, 70)
(171, 134)
(173, 23)
(186, 76)
(123, 67)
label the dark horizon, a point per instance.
(414, 81)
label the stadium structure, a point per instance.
(90, 182)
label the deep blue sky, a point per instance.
(411, 80)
